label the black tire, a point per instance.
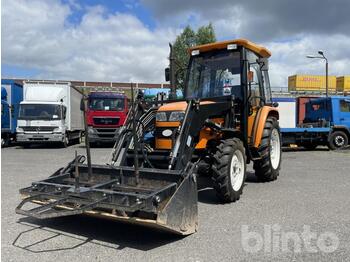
(204, 169)
(264, 169)
(337, 140)
(221, 168)
(65, 142)
(5, 140)
(78, 140)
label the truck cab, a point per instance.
(326, 121)
(50, 113)
(106, 113)
(334, 113)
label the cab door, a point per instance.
(256, 95)
(344, 112)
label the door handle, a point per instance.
(341, 119)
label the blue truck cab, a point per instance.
(326, 122)
(11, 96)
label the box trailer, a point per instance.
(50, 112)
(11, 96)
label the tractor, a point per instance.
(225, 120)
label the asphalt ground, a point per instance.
(310, 198)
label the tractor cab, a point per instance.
(234, 69)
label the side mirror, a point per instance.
(275, 104)
(82, 105)
(264, 63)
(167, 74)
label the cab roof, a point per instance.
(106, 95)
(258, 49)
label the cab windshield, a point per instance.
(107, 104)
(41, 112)
(214, 74)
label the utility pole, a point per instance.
(322, 56)
(172, 73)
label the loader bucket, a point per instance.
(164, 199)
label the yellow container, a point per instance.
(311, 83)
(343, 83)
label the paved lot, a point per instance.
(312, 191)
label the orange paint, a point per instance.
(259, 123)
(167, 124)
(260, 50)
(164, 143)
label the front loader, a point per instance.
(226, 120)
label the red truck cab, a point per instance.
(106, 113)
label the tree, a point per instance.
(187, 39)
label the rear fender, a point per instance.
(344, 129)
(259, 123)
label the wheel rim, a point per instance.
(237, 170)
(275, 148)
(66, 141)
(339, 141)
(2, 141)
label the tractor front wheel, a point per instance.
(267, 168)
(229, 169)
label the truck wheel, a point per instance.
(229, 170)
(65, 141)
(337, 140)
(79, 139)
(267, 168)
(5, 140)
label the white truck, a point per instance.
(50, 113)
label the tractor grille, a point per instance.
(38, 128)
(106, 120)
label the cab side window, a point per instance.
(255, 96)
(345, 106)
(266, 87)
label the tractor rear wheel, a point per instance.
(229, 169)
(267, 168)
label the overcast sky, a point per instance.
(125, 40)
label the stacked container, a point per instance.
(343, 83)
(312, 83)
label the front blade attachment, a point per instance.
(164, 199)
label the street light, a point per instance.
(322, 56)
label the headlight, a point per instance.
(57, 130)
(176, 116)
(161, 117)
(91, 130)
(19, 130)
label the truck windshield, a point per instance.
(40, 112)
(107, 104)
(214, 74)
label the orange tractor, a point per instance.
(226, 120)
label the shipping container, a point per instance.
(311, 83)
(343, 83)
